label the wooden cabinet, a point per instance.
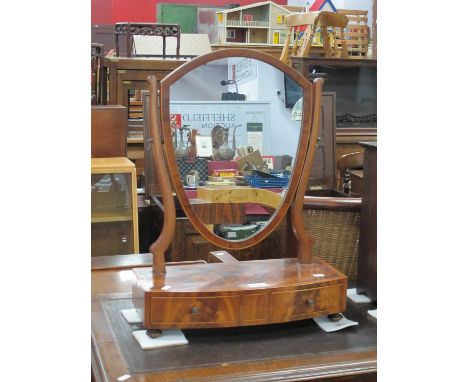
(122, 76)
(189, 245)
(108, 131)
(367, 260)
(114, 214)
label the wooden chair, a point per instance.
(294, 21)
(338, 23)
(146, 29)
(356, 34)
(334, 224)
(312, 21)
(343, 165)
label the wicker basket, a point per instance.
(336, 235)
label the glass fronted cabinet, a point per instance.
(114, 209)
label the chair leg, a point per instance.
(344, 49)
(285, 53)
(326, 43)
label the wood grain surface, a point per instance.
(220, 294)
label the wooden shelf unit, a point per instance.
(114, 213)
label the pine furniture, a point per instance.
(114, 210)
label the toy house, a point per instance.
(259, 23)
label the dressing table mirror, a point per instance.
(238, 160)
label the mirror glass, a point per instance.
(235, 125)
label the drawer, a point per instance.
(194, 311)
(306, 303)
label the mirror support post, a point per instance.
(159, 247)
(305, 240)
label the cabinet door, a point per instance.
(111, 214)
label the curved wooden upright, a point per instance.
(159, 247)
(228, 292)
(304, 239)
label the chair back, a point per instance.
(294, 21)
(343, 165)
(337, 23)
(356, 34)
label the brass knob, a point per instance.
(195, 310)
(310, 301)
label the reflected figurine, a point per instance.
(225, 152)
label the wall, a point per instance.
(113, 11)
(101, 12)
(258, 35)
(194, 86)
(258, 13)
(206, 23)
(283, 136)
(134, 11)
(365, 5)
(280, 133)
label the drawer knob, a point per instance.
(310, 302)
(195, 310)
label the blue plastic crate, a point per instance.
(260, 182)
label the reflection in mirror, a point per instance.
(235, 139)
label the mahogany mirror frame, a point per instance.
(301, 153)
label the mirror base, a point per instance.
(230, 293)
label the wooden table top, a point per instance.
(141, 63)
(115, 164)
(109, 363)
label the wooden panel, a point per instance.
(189, 245)
(196, 310)
(351, 11)
(367, 260)
(301, 304)
(357, 19)
(239, 194)
(103, 34)
(197, 248)
(219, 213)
(255, 309)
(113, 238)
(108, 131)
